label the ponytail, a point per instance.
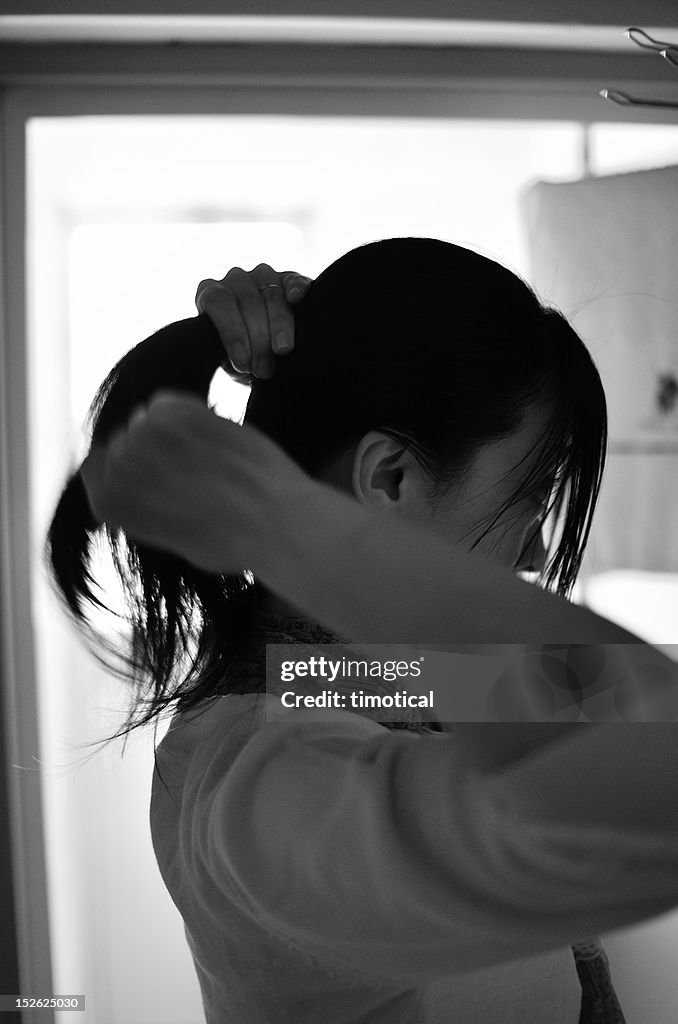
(416, 351)
(183, 625)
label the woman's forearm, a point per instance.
(380, 579)
(377, 579)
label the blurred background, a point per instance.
(147, 151)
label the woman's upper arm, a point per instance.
(391, 854)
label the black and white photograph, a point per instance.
(339, 512)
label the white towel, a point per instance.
(605, 251)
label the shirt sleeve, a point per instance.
(390, 853)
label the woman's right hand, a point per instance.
(252, 312)
(180, 478)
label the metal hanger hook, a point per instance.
(622, 99)
(651, 44)
(670, 55)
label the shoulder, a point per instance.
(291, 772)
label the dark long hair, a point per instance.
(421, 339)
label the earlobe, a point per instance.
(533, 554)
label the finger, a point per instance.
(138, 418)
(295, 285)
(251, 305)
(172, 400)
(218, 302)
(163, 409)
(280, 322)
(173, 421)
(278, 304)
(268, 318)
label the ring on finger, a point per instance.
(265, 286)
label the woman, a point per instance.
(335, 869)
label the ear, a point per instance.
(385, 473)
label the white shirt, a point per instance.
(331, 870)
(338, 872)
